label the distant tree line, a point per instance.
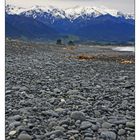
(59, 42)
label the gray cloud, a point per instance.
(121, 5)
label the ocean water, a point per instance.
(124, 49)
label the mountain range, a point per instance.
(82, 23)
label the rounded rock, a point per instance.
(85, 125)
(130, 138)
(78, 115)
(106, 125)
(24, 137)
(108, 135)
(11, 133)
(121, 132)
(130, 124)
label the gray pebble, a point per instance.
(72, 132)
(130, 124)
(78, 115)
(106, 125)
(121, 132)
(24, 137)
(59, 128)
(85, 125)
(130, 138)
(88, 138)
(14, 124)
(109, 135)
(56, 133)
(73, 92)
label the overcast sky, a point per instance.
(126, 6)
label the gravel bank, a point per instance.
(51, 95)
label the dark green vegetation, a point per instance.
(104, 29)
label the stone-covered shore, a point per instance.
(68, 93)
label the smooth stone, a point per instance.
(78, 122)
(16, 87)
(52, 136)
(65, 122)
(121, 132)
(50, 113)
(73, 92)
(94, 127)
(44, 87)
(78, 115)
(88, 130)
(60, 128)
(130, 138)
(52, 124)
(124, 104)
(24, 137)
(88, 138)
(120, 125)
(97, 113)
(84, 103)
(85, 125)
(11, 133)
(106, 125)
(23, 88)
(21, 128)
(30, 125)
(16, 118)
(133, 134)
(109, 135)
(72, 132)
(65, 126)
(8, 92)
(88, 135)
(58, 139)
(63, 100)
(56, 133)
(114, 121)
(130, 124)
(122, 137)
(52, 100)
(77, 97)
(56, 90)
(72, 138)
(60, 110)
(14, 124)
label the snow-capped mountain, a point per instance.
(12, 10)
(86, 23)
(77, 11)
(69, 13)
(43, 11)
